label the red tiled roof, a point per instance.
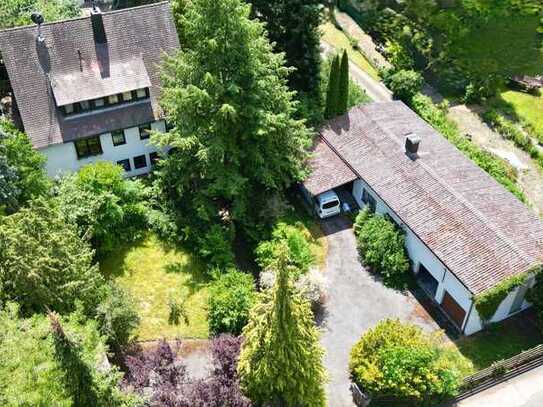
(478, 229)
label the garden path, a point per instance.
(356, 302)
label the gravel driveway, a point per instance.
(356, 301)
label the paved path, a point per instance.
(525, 390)
(356, 302)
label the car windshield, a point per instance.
(329, 205)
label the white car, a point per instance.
(327, 204)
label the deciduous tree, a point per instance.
(281, 358)
(15, 13)
(22, 176)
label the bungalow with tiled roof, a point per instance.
(87, 89)
(465, 233)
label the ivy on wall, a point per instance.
(488, 301)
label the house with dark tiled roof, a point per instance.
(87, 89)
(465, 233)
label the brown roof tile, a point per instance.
(141, 33)
(479, 230)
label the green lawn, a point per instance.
(339, 40)
(153, 273)
(498, 342)
(527, 108)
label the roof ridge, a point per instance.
(456, 194)
(82, 17)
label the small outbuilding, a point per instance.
(465, 233)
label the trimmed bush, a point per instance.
(231, 297)
(404, 84)
(401, 361)
(299, 249)
(381, 247)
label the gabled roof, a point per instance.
(479, 230)
(71, 66)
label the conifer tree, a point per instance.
(332, 94)
(293, 25)
(235, 140)
(281, 358)
(343, 99)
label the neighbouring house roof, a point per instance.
(71, 66)
(479, 230)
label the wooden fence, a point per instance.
(501, 371)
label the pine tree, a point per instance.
(235, 141)
(332, 93)
(343, 99)
(281, 358)
(293, 25)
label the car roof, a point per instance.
(328, 196)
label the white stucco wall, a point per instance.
(419, 253)
(475, 323)
(62, 158)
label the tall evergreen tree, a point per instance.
(332, 94)
(281, 358)
(343, 99)
(234, 137)
(293, 25)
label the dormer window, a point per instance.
(68, 109)
(113, 99)
(142, 93)
(127, 96)
(98, 102)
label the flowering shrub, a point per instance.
(401, 361)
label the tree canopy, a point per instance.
(14, 13)
(22, 175)
(234, 139)
(58, 362)
(107, 209)
(44, 264)
(293, 25)
(281, 358)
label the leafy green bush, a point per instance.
(381, 246)
(215, 246)
(535, 296)
(299, 249)
(404, 84)
(55, 364)
(488, 301)
(401, 361)
(494, 166)
(23, 175)
(116, 316)
(107, 208)
(231, 296)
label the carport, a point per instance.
(328, 172)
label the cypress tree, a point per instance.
(332, 94)
(343, 98)
(281, 359)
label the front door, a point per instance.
(519, 299)
(453, 309)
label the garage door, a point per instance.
(453, 309)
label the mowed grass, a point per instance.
(153, 274)
(339, 40)
(528, 108)
(498, 342)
